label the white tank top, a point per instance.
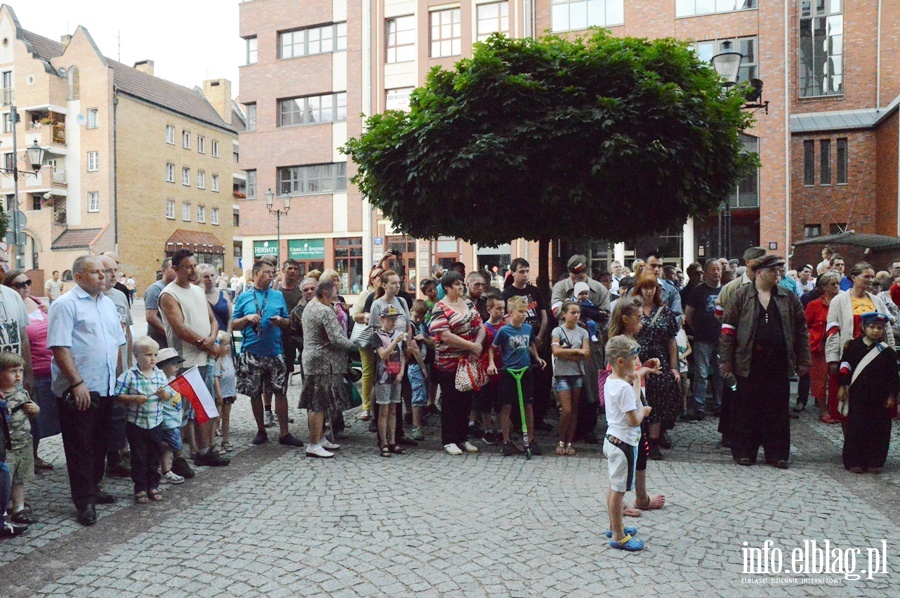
(194, 309)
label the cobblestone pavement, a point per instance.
(276, 523)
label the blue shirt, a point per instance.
(514, 343)
(265, 341)
(91, 329)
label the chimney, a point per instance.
(145, 66)
(65, 39)
(218, 93)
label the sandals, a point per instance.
(154, 494)
(570, 450)
(41, 464)
(629, 531)
(561, 449)
(628, 543)
(386, 451)
(141, 498)
(397, 449)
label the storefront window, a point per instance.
(348, 261)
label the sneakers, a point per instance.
(365, 416)
(535, 449)
(180, 466)
(469, 447)
(317, 450)
(289, 440)
(570, 450)
(416, 433)
(328, 445)
(170, 477)
(269, 419)
(11, 530)
(509, 449)
(452, 449)
(211, 459)
(489, 438)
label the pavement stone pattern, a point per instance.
(276, 523)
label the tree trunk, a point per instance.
(543, 279)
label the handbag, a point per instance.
(469, 376)
(361, 335)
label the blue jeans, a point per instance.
(706, 362)
(417, 381)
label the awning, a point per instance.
(855, 239)
(81, 238)
(195, 241)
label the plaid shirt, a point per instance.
(133, 382)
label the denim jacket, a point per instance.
(739, 328)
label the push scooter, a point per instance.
(518, 374)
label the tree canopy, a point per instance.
(553, 138)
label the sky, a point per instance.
(188, 40)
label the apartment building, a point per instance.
(310, 74)
(132, 163)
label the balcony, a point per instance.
(51, 136)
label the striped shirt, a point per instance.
(133, 382)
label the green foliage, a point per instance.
(4, 223)
(600, 136)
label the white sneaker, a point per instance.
(270, 419)
(469, 447)
(452, 449)
(325, 444)
(170, 477)
(317, 450)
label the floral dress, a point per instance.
(663, 392)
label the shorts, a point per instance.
(621, 458)
(254, 370)
(417, 382)
(488, 398)
(228, 400)
(387, 393)
(509, 394)
(568, 383)
(171, 437)
(21, 464)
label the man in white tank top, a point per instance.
(191, 329)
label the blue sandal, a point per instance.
(628, 543)
(629, 531)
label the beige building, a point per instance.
(133, 163)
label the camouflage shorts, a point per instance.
(254, 370)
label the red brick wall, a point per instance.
(886, 192)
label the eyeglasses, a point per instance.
(22, 285)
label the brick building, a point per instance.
(309, 75)
(133, 163)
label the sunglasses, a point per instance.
(634, 351)
(22, 285)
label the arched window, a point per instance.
(74, 83)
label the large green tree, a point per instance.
(599, 136)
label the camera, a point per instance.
(395, 252)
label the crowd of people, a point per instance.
(639, 345)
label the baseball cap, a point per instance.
(390, 312)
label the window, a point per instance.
(201, 214)
(812, 230)
(575, 15)
(400, 39)
(74, 83)
(215, 216)
(170, 209)
(186, 139)
(689, 8)
(492, 18)
(93, 159)
(170, 173)
(201, 179)
(348, 262)
(825, 162)
(251, 184)
(7, 123)
(201, 144)
(314, 40)
(250, 52)
(836, 228)
(170, 134)
(186, 177)
(809, 162)
(745, 45)
(9, 162)
(842, 161)
(215, 149)
(36, 202)
(7, 89)
(746, 194)
(251, 116)
(93, 201)
(93, 118)
(186, 211)
(312, 110)
(317, 178)
(446, 33)
(821, 48)
(215, 183)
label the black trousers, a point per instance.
(118, 440)
(587, 416)
(760, 411)
(867, 434)
(455, 408)
(543, 382)
(86, 438)
(145, 455)
(728, 398)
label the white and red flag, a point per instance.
(191, 386)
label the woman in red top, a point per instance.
(816, 319)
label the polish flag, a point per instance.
(192, 387)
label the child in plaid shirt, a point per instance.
(143, 389)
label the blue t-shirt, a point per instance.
(265, 341)
(514, 342)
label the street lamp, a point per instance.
(728, 64)
(270, 201)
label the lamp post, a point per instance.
(286, 202)
(35, 159)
